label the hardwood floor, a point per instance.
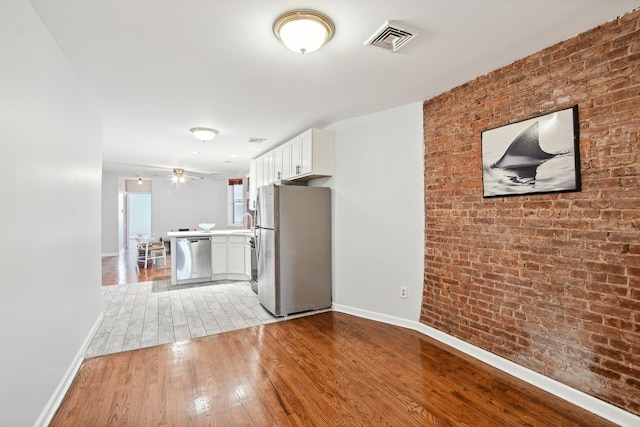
(320, 370)
(119, 270)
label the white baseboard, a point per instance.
(56, 399)
(120, 252)
(571, 395)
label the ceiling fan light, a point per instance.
(303, 31)
(204, 134)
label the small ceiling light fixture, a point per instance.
(303, 30)
(139, 181)
(204, 134)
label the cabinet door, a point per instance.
(219, 255)
(259, 172)
(247, 256)
(253, 184)
(306, 152)
(296, 156)
(267, 161)
(235, 255)
(286, 160)
(277, 163)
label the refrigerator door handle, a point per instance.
(257, 221)
(258, 241)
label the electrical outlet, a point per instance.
(403, 292)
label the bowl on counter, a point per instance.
(206, 226)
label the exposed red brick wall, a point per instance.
(549, 281)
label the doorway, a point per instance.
(138, 214)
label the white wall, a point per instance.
(50, 152)
(172, 206)
(378, 211)
(188, 204)
(110, 215)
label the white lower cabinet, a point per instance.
(219, 254)
(235, 255)
(247, 257)
(230, 257)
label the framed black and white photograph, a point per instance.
(537, 155)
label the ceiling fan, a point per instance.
(179, 176)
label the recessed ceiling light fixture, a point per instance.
(204, 134)
(303, 30)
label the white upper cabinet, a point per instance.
(264, 169)
(307, 156)
(277, 163)
(312, 154)
(296, 155)
(259, 168)
(282, 161)
(286, 160)
(268, 167)
(253, 184)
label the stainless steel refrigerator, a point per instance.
(293, 227)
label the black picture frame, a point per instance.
(536, 155)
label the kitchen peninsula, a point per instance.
(202, 256)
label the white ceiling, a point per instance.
(156, 68)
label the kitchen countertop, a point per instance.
(202, 233)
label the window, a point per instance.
(236, 192)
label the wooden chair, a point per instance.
(150, 250)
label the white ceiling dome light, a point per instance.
(303, 31)
(204, 134)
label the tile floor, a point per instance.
(145, 314)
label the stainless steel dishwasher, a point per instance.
(193, 259)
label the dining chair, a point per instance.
(150, 250)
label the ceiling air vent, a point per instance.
(257, 140)
(392, 36)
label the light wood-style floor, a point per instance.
(120, 270)
(322, 370)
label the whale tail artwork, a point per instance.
(525, 151)
(514, 162)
